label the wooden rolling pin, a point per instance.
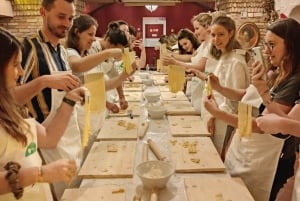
(143, 129)
(154, 194)
(154, 148)
(145, 152)
(137, 198)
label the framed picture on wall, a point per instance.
(248, 35)
(153, 28)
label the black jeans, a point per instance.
(285, 167)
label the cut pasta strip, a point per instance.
(208, 89)
(244, 120)
(94, 101)
(87, 126)
(95, 83)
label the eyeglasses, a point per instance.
(270, 45)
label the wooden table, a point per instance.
(179, 183)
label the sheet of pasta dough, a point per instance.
(96, 85)
(176, 78)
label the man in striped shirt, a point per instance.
(46, 79)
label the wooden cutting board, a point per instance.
(119, 128)
(216, 189)
(109, 159)
(133, 96)
(99, 193)
(135, 107)
(169, 96)
(179, 108)
(187, 126)
(206, 153)
(133, 87)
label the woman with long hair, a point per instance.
(232, 71)
(86, 56)
(265, 161)
(21, 169)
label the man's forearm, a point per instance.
(25, 92)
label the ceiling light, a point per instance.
(151, 8)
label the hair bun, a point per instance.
(113, 25)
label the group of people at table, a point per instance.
(35, 72)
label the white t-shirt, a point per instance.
(11, 150)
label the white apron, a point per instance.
(69, 145)
(15, 152)
(255, 160)
(197, 87)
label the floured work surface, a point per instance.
(134, 107)
(159, 79)
(169, 96)
(163, 88)
(179, 108)
(100, 193)
(119, 128)
(185, 126)
(109, 159)
(136, 79)
(132, 87)
(195, 154)
(133, 96)
(216, 189)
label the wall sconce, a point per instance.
(151, 8)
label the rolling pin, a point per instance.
(143, 129)
(137, 198)
(145, 152)
(155, 150)
(154, 194)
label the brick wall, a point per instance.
(246, 11)
(27, 18)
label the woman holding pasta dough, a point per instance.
(232, 70)
(22, 175)
(265, 161)
(84, 58)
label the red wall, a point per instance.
(177, 17)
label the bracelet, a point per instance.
(69, 101)
(40, 175)
(13, 180)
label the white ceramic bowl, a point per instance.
(144, 75)
(156, 111)
(155, 173)
(152, 96)
(147, 82)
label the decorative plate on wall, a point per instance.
(248, 35)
